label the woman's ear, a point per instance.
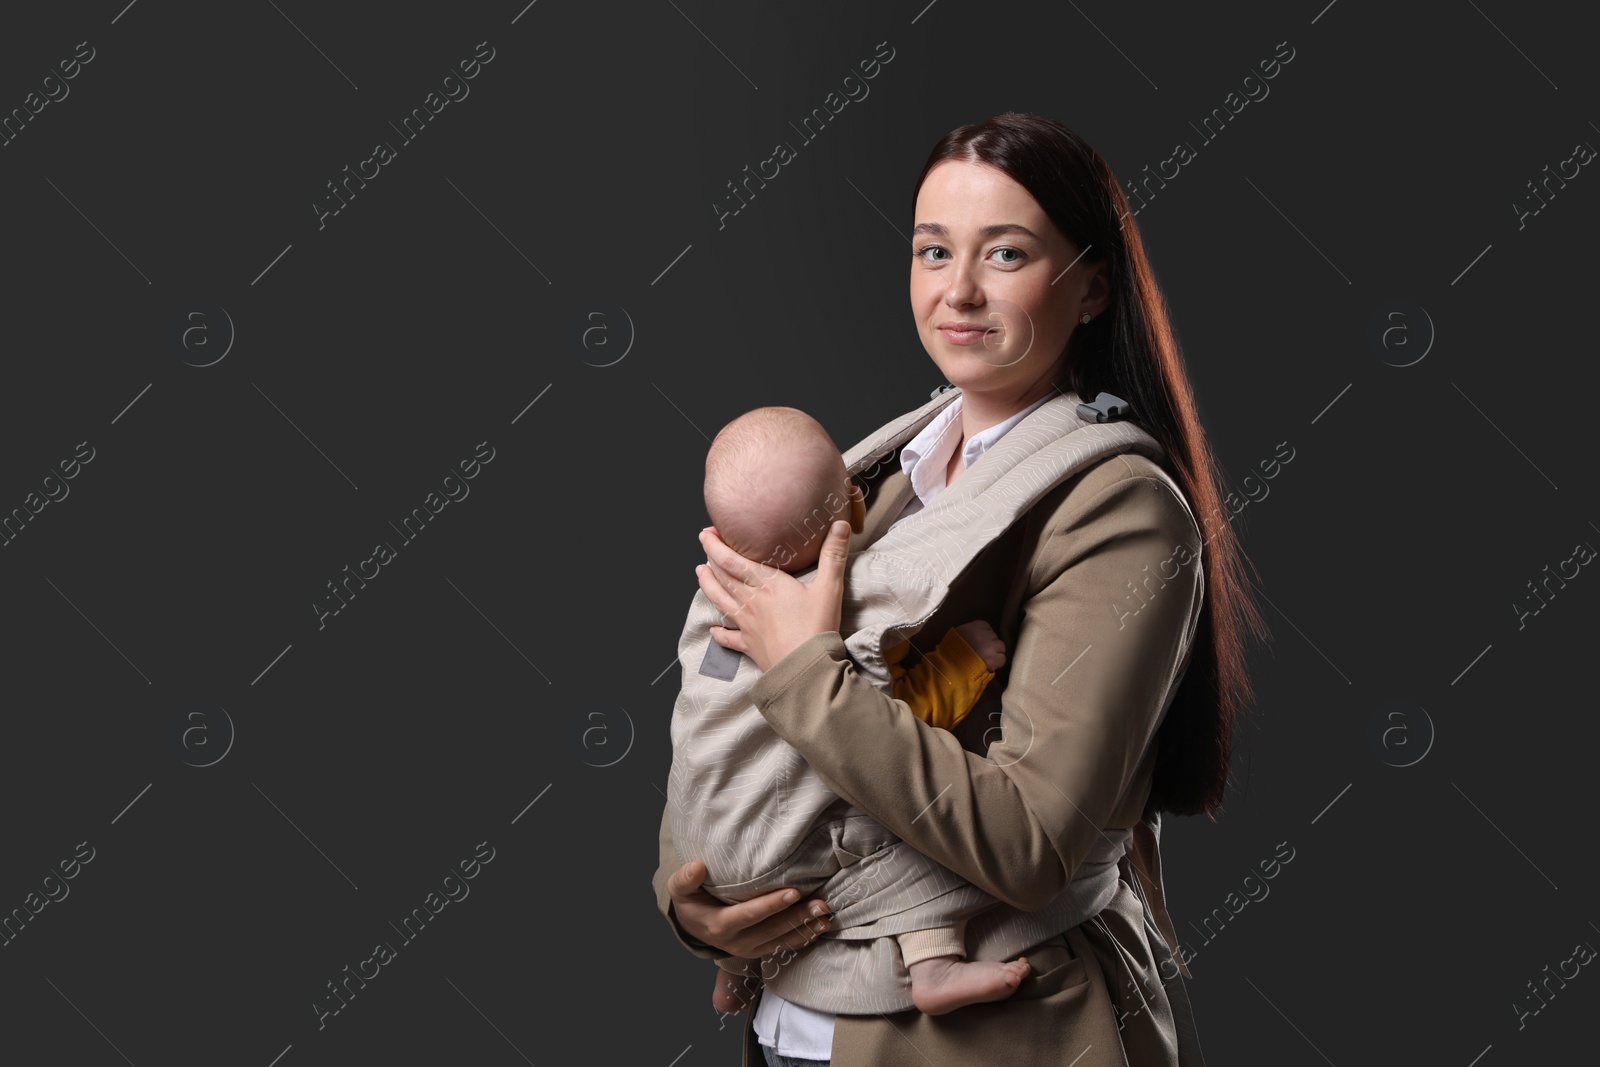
(1098, 296)
(858, 508)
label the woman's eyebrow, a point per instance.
(993, 230)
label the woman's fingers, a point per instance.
(726, 560)
(769, 906)
(792, 928)
(726, 636)
(698, 912)
(795, 927)
(730, 639)
(829, 582)
(684, 883)
(773, 917)
(764, 924)
(752, 928)
(715, 591)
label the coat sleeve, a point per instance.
(1106, 621)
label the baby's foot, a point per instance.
(732, 993)
(945, 983)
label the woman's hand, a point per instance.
(755, 928)
(775, 613)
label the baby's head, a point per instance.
(775, 483)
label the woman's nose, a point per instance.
(963, 289)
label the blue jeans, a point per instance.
(777, 1059)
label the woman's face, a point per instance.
(987, 257)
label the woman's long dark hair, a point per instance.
(1130, 351)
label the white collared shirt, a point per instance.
(795, 1029)
(926, 456)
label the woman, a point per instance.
(1126, 667)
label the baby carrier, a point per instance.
(746, 803)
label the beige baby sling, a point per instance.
(746, 803)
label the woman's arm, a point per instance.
(1088, 681)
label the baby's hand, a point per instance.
(985, 642)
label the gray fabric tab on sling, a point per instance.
(720, 663)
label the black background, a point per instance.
(518, 652)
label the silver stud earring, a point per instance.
(1086, 318)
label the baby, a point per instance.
(775, 483)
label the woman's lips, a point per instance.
(966, 337)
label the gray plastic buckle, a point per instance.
(945, 388)
(1105, 408)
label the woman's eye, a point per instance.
(927, 253)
